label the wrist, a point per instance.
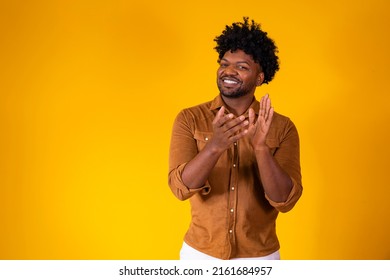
(259, 145)
(213, 149)
(262, 147)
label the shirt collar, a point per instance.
(217, 103)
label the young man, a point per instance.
(234, 158)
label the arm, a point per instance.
(226, 130)
(189, 170)
(276, 182)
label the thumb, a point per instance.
(219, 115)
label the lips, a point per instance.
(230, 81)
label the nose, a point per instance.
(230, 70)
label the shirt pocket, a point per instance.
(202, 138)
(273, 144)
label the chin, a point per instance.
(232, 96)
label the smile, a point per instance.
(230, 81)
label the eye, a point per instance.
(223, 65)
(242, 67)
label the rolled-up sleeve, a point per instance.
(288, 157)
(292, 199)
(183, 148)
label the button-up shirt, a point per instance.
(231, 215)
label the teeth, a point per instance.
(230, 81)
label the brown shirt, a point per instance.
(232, 217)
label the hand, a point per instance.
(227, 130)
(258, 129)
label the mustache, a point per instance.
(230, 78)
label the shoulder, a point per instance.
(199, 112)
(195, 118)
(282, 126)
(280, 120)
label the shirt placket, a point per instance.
(232, 205)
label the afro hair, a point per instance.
(248, 37)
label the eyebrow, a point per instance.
(238, 62)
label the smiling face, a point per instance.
(238, 74)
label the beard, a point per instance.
(235, 92)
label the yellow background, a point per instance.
(89, 91)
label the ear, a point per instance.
(260, 79)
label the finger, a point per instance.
(221, 118)
(224, 120)
(238, 136)
(233, 123)
(270, 116)
(263, 105)
(236, 128)
(219, 115)
(251, 116)
(267, 106)
(268, 103)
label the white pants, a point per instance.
(189, 253)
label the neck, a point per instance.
(238, 106)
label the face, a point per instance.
(238, 74)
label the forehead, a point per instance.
(238, 56)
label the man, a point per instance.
(234, 158)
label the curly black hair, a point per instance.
(249, 38)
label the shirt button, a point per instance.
(232, 210)
(206, 139)
(232, 188)
(234, 165)
(230, 231)
(235, 143)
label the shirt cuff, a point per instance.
(180, 190)
(292, 198)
